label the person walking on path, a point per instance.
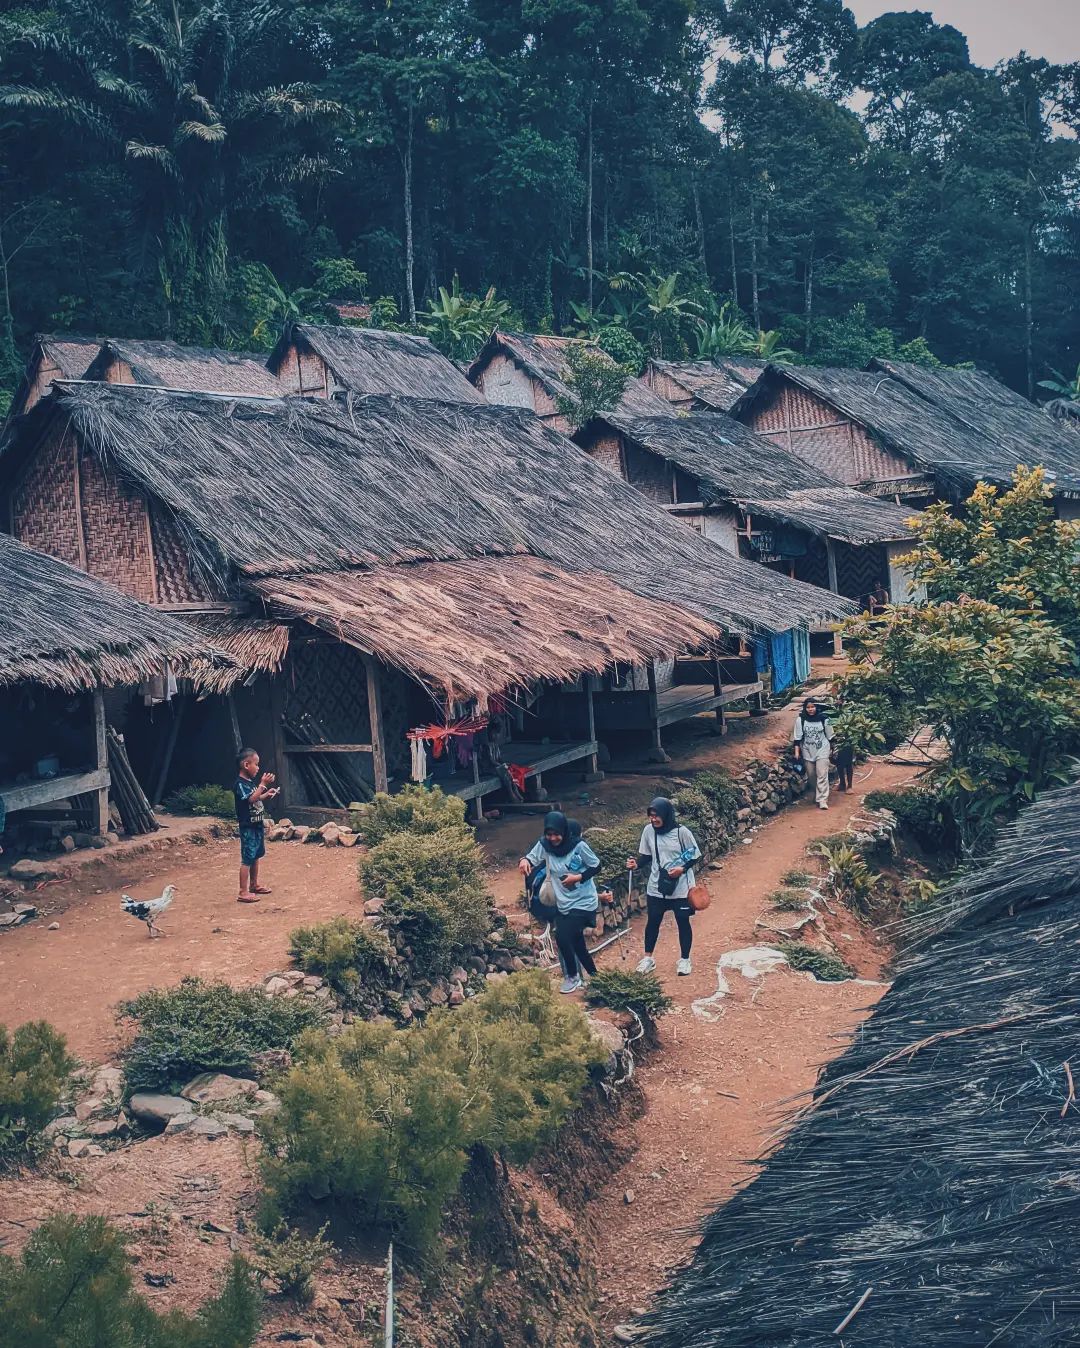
(569, 886)
(671, 852)
(541, 901)
(813, 735)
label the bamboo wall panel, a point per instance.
(44, 513)
(176, 581)
(116, 527)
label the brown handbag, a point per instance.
(699, 897)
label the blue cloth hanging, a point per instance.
(782, 651)
(801, 639)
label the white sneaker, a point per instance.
(570, 985)
(822, 805)
(684, 967)
(647, 965)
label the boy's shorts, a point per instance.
(252, 843)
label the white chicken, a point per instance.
(149, 910)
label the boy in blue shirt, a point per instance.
(249, 795)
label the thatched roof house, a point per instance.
(872, 430)
(64, 629)
(65, 356)
(169, 365)
(520, 369)
(319, 361)
(716, 385)
(930, 1187)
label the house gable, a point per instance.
(301, 371)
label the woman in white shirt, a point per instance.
(670, 851)
(813, 736)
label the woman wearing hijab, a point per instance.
(813, 736)
(569, 886)
(541, 899)
(671, 852)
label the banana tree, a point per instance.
(459, 324)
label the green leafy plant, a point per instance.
(291, 1259)
(434, 889)
(918, 813)
(620, 991)
(208, 799)
(596, 383)
(72, 1285)
(623, 348)
(382, 1121)
(34, 1070)
(807, 958)
(413, 809)
(709, 808)
(850, 880)
(612, 847)
(459, 324)
(787, 900)
(796, 878)
(354, 957)
(207, 1027)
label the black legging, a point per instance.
(570, 931)
(682, 910)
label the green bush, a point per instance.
(209, 799)
(709, 808)
(382, 1121)
(72, 1286)
(290, 1259)
(434, 888)
(207, 1027)
(413, 809)
(919, 814)
(612, 847)
(828, 968)
(787, 900)
(850, 880)
(355, 958)
(34, 1069)
(619, 991)
(796, 878)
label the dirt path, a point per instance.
(74, 977)
(715, 1090)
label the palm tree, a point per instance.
(176, 100)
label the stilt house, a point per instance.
(927, 1193)
(68, 641)
(393, 564)
(319, 361)
(518, 369)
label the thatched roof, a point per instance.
(70, 353)
(1064, 410)
(936, 440)
(937, 1163)
(368, 360)
(718, 384)
(302, 485)
(253, 644)
(196, 368)
(733, 465)
(991, 409)
(473, 628)
(545, 359)
(65, 629)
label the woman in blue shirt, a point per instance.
(570, 884)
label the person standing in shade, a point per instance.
(813, 735)
(570, 883)
(670, 851)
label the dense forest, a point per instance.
(697, 176)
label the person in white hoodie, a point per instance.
(813, 735)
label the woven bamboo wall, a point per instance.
(43, 503)
(41, 382)
(116, 530)
(303, 372)
(649, 473)
(606, 450)
(666, 387)
(176, 580)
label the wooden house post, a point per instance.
(101, 762)
(834, 585)
(594, 775)
(282, 766)
(378, 744)
(658, 754)
(718, 689)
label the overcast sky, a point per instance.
(996, 29)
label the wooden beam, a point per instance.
(178, 707)
(234, 721)
(282, 767)
(101, 761)
(834, 585)
(329, 749)
(657, 753)
(378, 744)
(594, 762)
(26, 795)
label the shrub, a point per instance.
(828, 968)
(709, 809)
(72, 1285)
(918, 812)
(207, 1027)
(612, 847)
(383, 1121)
(639, 993)
(355, 958)
(787, 900)
(433, 885)
(796, 878)
(34, 1069)
(209, 799)
(290, 1259)
(414, 809)
(850, 879)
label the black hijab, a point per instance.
(663, 807)
(556, 822)
(819, 715)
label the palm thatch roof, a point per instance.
(476, 627)
(719, 384)
(931, 1186)
(195, 368)
(369, 360)
(733, 465)
(68, 353)
(288, 486)
(253, 645)
(545, 359)
(1066, 410)
(989, 408)
(65, 629)
(936, 439)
